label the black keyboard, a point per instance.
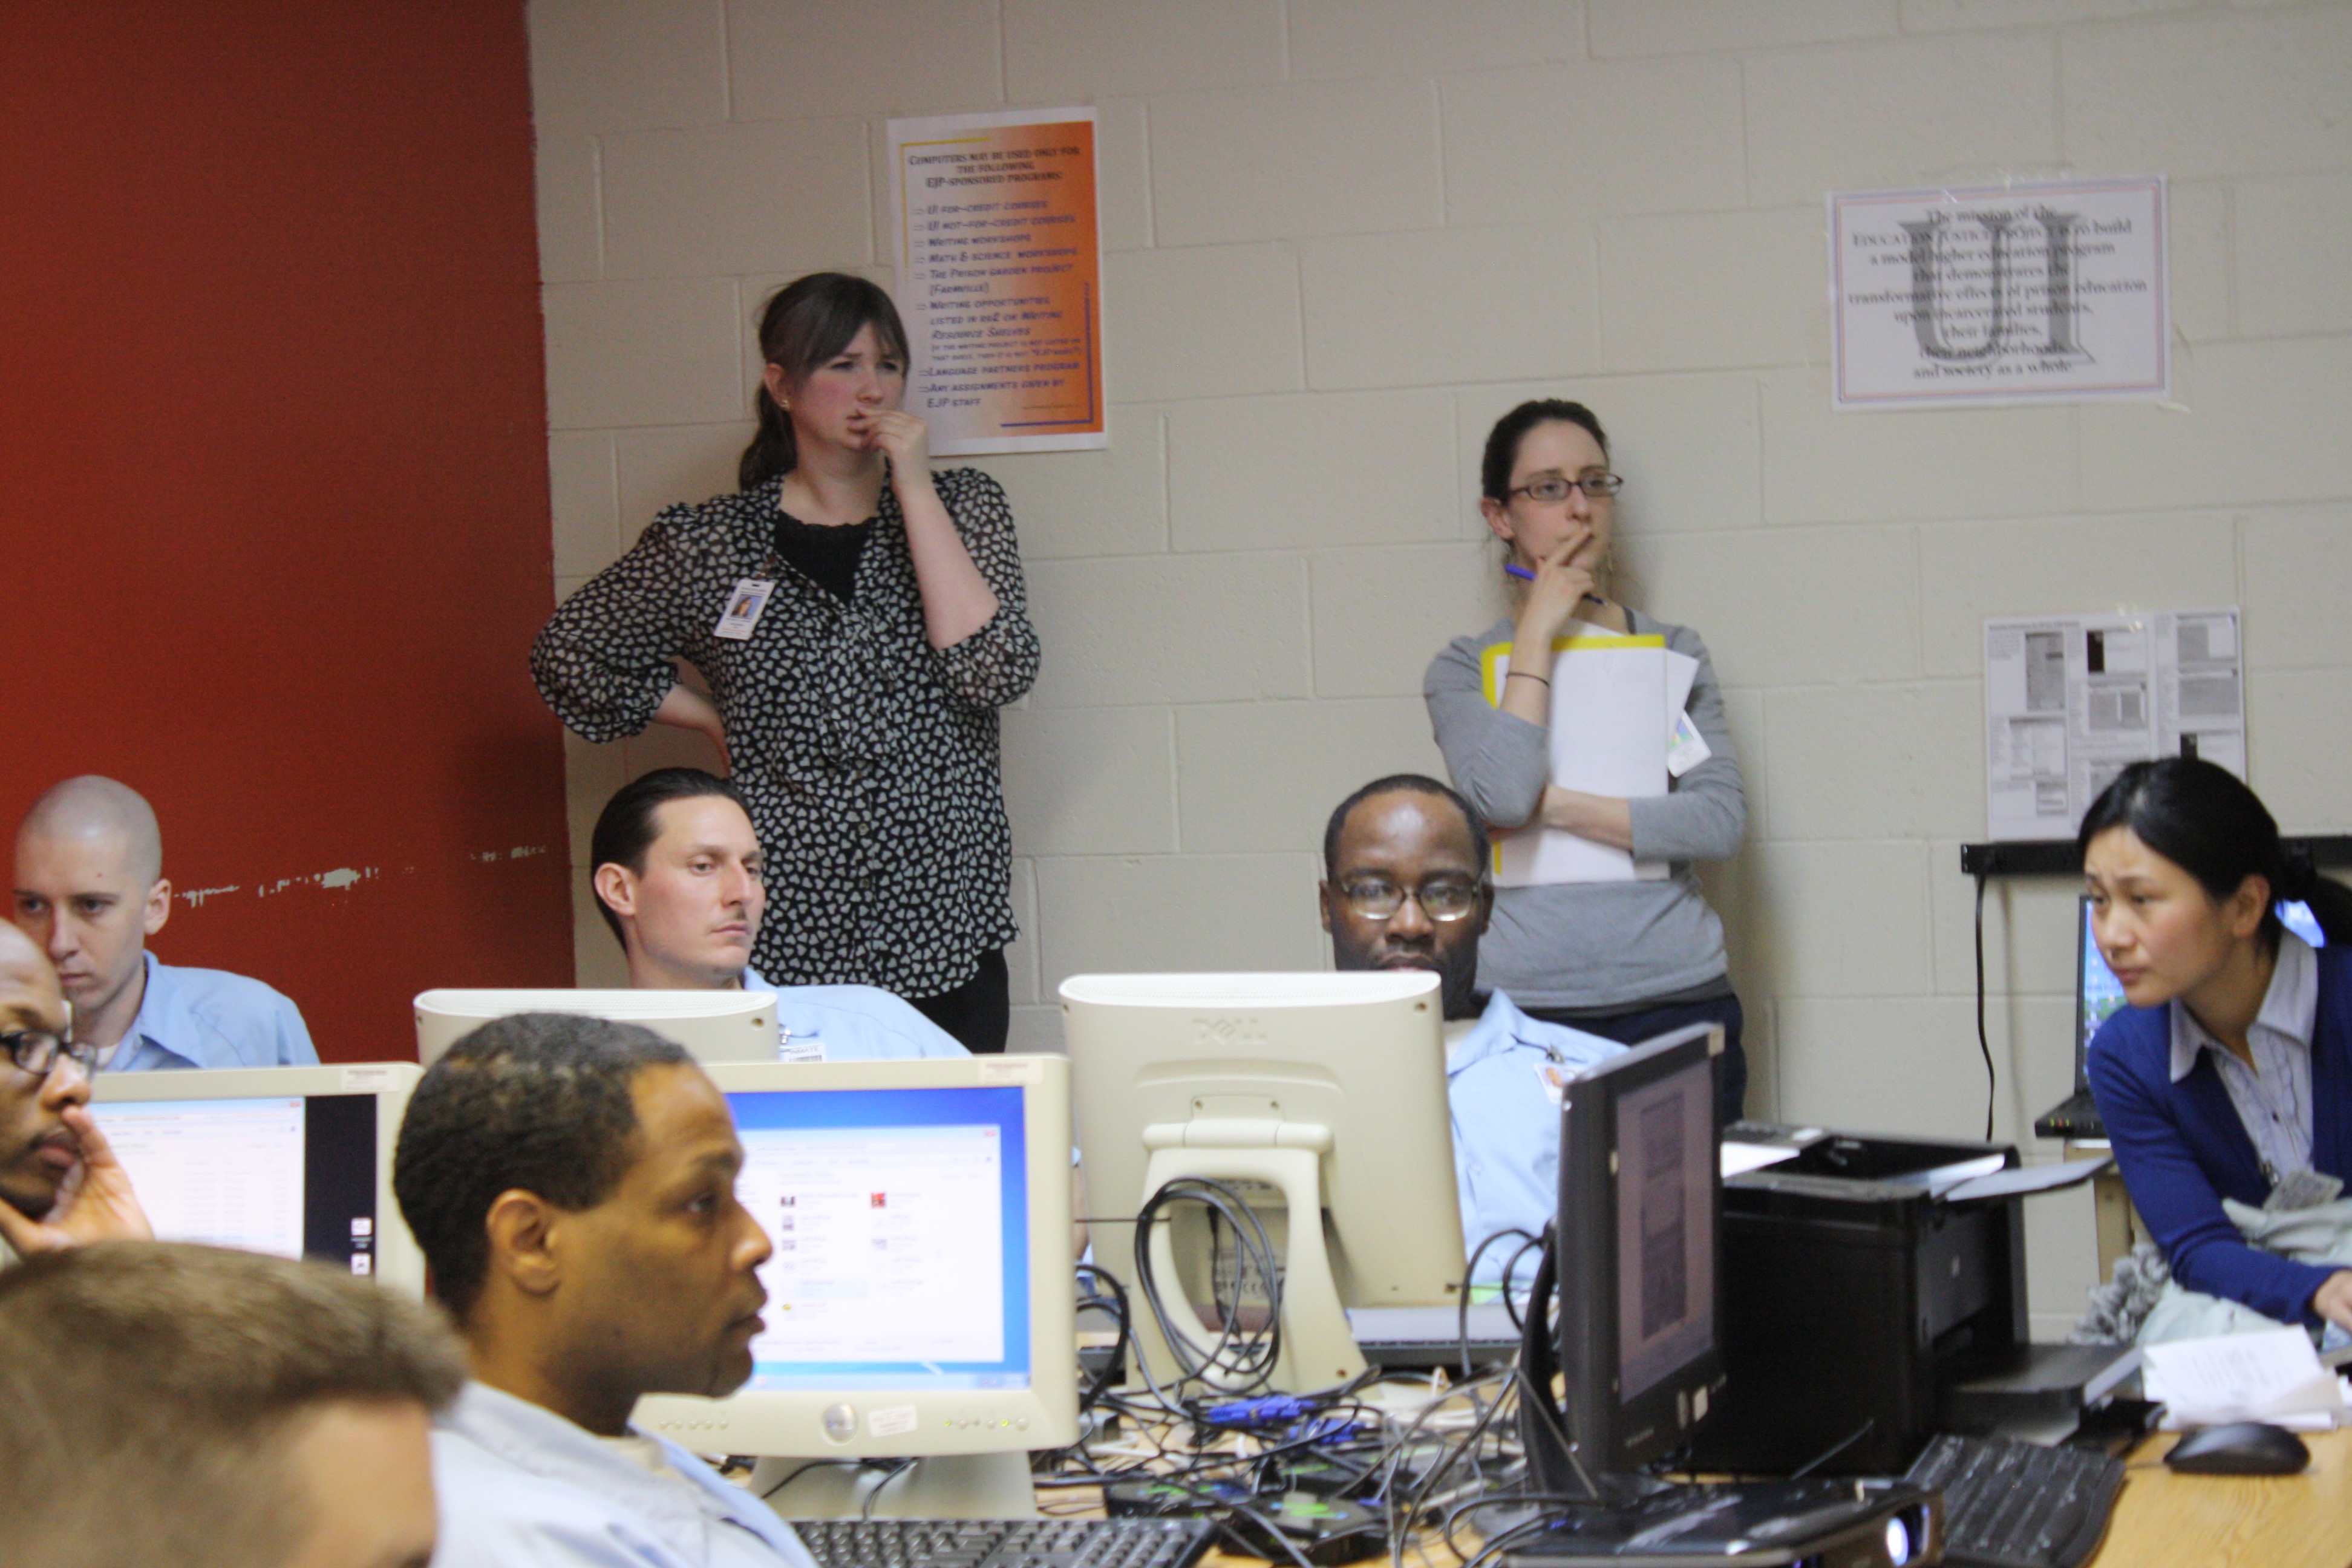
(1005, 1542)
(2018, 1505)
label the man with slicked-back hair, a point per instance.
(90, 891)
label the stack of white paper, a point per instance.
(1618, 728)
(2273, 1377)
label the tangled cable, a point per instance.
(1242, 1360)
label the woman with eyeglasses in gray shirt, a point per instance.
(1625, 960)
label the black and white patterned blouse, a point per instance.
(869, 757)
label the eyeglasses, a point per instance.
(35, 1051)
(1552, 489)
(1440, 898)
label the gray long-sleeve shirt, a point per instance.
(1594, 945)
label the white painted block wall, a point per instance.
(1344, 235)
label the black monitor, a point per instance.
(1640, 1203)
(1635, 1265)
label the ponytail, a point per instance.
(771, 452)
(804, 325)
(2203, 818)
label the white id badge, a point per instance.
(744, 602)
(788, 1050)
(1554, 1077)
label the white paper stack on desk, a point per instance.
(1617, 722)
(2273, 1376)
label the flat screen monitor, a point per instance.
(716, 1026)
(1317, 1088)
(291, 1160)
(1640, 1204)
(919, 1296)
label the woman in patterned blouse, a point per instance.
(856, 708)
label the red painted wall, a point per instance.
(273, 481)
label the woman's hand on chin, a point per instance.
(1559, 586)
(905, 439)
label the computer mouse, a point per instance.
(2241, 1449)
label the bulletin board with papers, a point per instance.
(2071, 701)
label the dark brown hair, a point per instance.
(804, 325)
(631, 821)
(1503, 440)
(148, 1390)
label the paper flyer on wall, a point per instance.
(1616, 702)
(2041, 292)
(2071, 701)
(1000, 278)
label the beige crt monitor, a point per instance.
(920, 1297)
(1325, 1093)
(716, 1026)
(290, 1160)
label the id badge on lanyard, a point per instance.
(746, 602)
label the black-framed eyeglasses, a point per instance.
(37, 1051)
(1441, 898)
(1551, 489)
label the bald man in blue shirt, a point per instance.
(1405, 887)
(89, 891)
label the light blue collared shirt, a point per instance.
(520, 1486)
(2273, 1098)
(211, 1018)
(1506, 1126)
(851, 1023)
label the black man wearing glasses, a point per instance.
(1405, 887)
(60, 1182)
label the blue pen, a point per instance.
(1513, 569)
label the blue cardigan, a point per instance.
(2183, 1149)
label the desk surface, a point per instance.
(2207, 1521)
(2226, 1521)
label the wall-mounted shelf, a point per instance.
(2056, 856)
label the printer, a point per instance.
(1874, 1295)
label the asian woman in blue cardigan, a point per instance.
(2231, 1067)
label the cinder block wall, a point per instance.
(1342, 237)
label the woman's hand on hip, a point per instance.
(688, 708)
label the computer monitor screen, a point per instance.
(716, 1026)
(919, 1293)
(291, 1160)
(884, 1206)
(1641, 1202)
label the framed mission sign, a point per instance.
(2028, 293)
